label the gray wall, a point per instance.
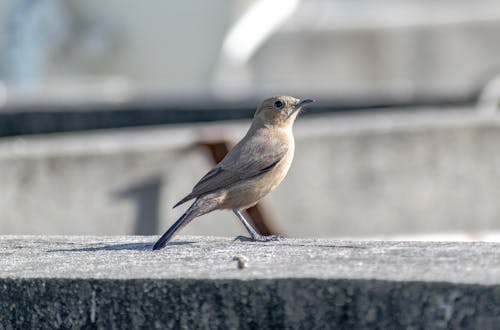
(357, 175)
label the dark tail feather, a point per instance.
(184, 200)
(169, 234)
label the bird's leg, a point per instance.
(251, 230)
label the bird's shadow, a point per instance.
(149, 246)
(120, 247)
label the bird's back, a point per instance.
(262, 152)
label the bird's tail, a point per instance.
(169, 234)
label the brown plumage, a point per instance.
(254, 167)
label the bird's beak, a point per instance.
(303, 102)
(300, 105)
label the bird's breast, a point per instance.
(273, 178)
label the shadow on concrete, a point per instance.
(146, 195)
(120, 247)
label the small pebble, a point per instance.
(242, 261)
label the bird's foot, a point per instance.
(243, 239)
(259, 238)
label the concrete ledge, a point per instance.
(117, 282)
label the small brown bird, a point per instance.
(254, 167)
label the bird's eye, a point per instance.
(278, 104)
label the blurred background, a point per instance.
(111, 111)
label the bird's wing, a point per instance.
(241, 163)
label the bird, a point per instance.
(250, 170)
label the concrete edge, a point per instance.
(262, 303)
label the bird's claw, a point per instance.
(243, 239)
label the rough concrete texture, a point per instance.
(353, 175)
(118, 283)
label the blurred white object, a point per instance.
(253, 28)
(246, 36)
(489, 98)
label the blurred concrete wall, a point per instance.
(177, 45)
(451, 57)
(360, 175)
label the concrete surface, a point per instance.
(372, 174)
(117, 282)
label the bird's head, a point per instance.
(279, 110)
